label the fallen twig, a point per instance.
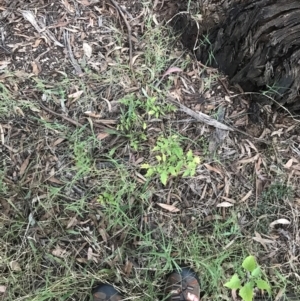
(29, 16)
(201, 116)
(74, 122)
(218, 136)
(69, 48)
(118, 8)
(210, 121)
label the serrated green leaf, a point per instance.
(189, 155)
(179, 165)
(178, 152)
(196, 160)
(246, 292)
(150, 172)
(263, 285)
(256, 272)
(172, 171)
(186, 173)
(164, 177)
(234, 282)
(249, 263)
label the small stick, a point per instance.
(74, 122)
(202, 117)
(118, 8)
(210, 121)
(71, 56)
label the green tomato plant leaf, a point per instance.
(164, 177)
(249, 263)
(246, 292)
(256, 272)
(234, 282)
(263, 285)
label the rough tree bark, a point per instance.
(257, 44)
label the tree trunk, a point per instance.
(258, 46)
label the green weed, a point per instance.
(171, 160)
(252, 277)
(133, 114)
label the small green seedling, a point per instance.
(153, 108)
(248, 284)
(171, 160)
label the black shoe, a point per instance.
(106, 292)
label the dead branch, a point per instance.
(120, 11)
(201, 116)
(70, 52)
(210, 121)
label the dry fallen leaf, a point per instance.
(68, 6)
(90, 254)
(58, 141)
(19, 111)
(4, 64)
(128, 267)
(81, 260)
(172, 70)
(72, 222)
(87, 49)
(2, 289)
(170, 208)
(261, 240)
(59, 252)
(92, 114)
(211, 168)
(85, 2)
(289, 163)
(281, 221)
(246, 197)
(35, 68)
(225, 204)
(103, 234)
(14, 265)
(2, 134)
(24, 166)
(55, 181)
(75, 95)
(102, 136)
(232, 201)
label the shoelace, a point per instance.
(180, 292)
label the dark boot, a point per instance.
(183, 285)
(106, 292)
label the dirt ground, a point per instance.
(87, 89)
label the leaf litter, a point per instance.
(43, 155)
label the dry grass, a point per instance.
(76, 208)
